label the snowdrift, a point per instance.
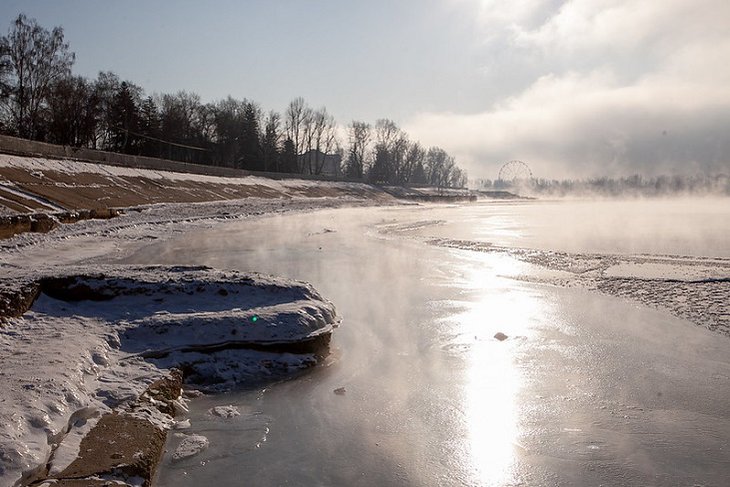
(78, 343)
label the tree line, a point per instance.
(635, 185)
(41, 99)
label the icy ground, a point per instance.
(691, 287)
(586, 389)
(694, 288)
(65, 362)
(106, 240)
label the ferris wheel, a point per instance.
(513, 171)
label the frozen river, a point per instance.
(587, 389)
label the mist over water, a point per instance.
(681, 226)
(587, 389)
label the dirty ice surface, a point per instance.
(608, 375)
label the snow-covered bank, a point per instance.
(96, 338)
(32, 185)
(112, 239)
(50, 372)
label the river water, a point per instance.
(587, 389)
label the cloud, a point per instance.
(500, 15)
(585, 25)
(621, 87)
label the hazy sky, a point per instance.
(582, 87)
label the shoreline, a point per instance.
(142, 340)
(104, 240)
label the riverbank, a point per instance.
(41, 408)
(58, 212)
(93, 359)
(39, 194)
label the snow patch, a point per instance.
(226, 412)
(68, 448)
(189, 446)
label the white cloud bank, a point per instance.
(619, 87)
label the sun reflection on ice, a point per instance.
(491, 414)
(492, 378)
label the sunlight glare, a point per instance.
(493, 380)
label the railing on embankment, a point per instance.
(31, 148)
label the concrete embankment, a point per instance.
(38, 194)
(121, 449)
(39, 178)
(31, 185)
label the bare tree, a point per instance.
(178, 116)
(322, 139)
(305, 153)
(438, 167)
(6, 75)
(398, 154)
(297, 118)
(359, 134)
(386, 131)
(149, 128)
(458, 178)
(37, 59)
(106, 86)
(229, 122)
(205, 123)
(389, 141)
(413, 159)
(270, 141)
(73, 112)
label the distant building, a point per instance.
(317, 162)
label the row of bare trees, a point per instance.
(385, 154)
(312, 133)
(33, 61)
(41, 99)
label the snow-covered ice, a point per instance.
(694, 287)
(229, 411)
(95, 338)
(189, 446)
